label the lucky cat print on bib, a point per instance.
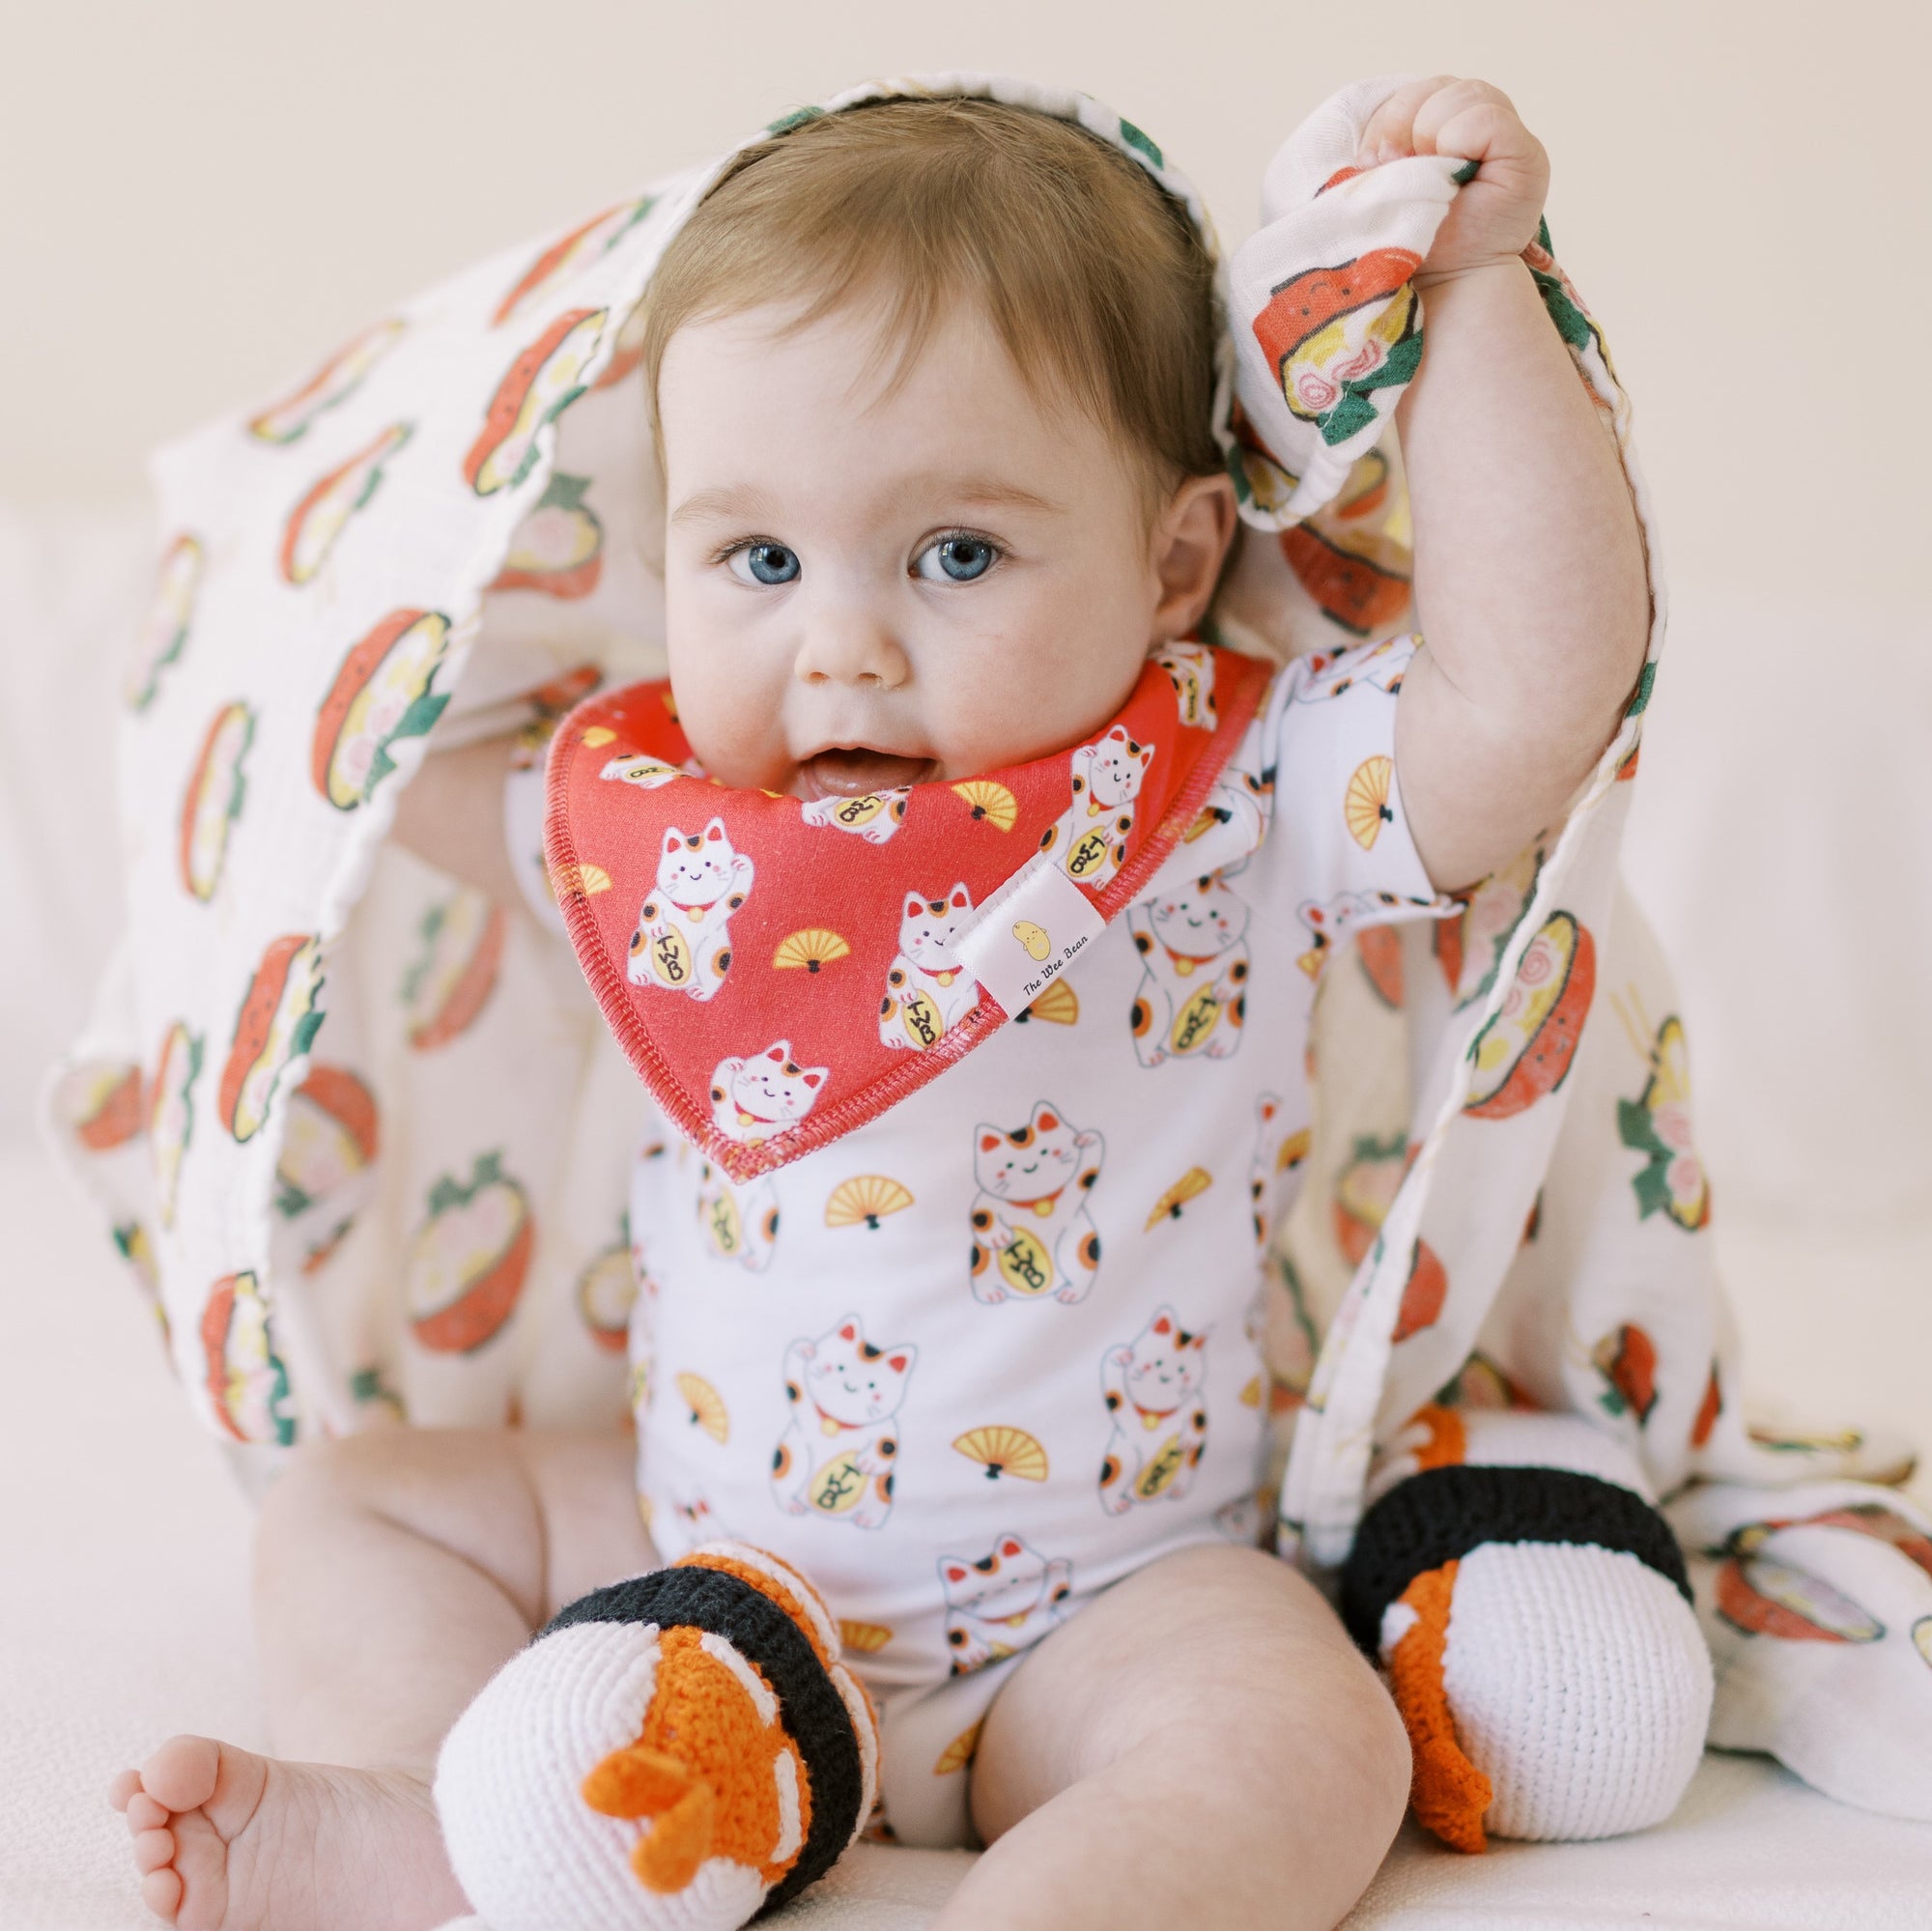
(683, 940)
(1090, 840)
(928, 989)
(760, 1097)
(1190, 669)
(874, 817)
(826, 976)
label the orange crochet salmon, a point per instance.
(706, 1711)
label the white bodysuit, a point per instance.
(983, 1356)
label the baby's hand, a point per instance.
(1495, 217)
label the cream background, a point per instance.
(206, 196)
(202, 199)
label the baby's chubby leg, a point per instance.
(394, 1572)
(1201, 1746)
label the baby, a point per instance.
(933, 385)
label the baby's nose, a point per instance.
(852, 645)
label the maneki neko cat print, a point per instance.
(1033, 1233)
(683, 940)
(1018, 1263)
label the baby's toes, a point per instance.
(153, 1849)
(144, 1814)
(162, 1894)
(181, 1775)
(123, 1785)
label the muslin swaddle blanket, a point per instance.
(362, 1135)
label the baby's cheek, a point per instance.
(727, 720)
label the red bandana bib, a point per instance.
(781, 972)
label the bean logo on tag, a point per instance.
(1030, 932)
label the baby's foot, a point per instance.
(226, 1841)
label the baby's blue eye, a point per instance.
(955, 559)
(765, 563)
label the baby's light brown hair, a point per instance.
(1093, 275)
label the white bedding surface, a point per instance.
(124, 1617)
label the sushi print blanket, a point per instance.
(361, 1134)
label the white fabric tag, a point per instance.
(1027, 933)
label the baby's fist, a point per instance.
(1495, 217)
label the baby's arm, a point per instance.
(452, 814)
(1529, 569)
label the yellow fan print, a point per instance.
(958, 1753)
(991, 801)
(864, 1637)
(599, 734)
(1251, 1395)
(810, 948)
(1059, 1004)
(1365, 807)
(864, 1200)
(706, 1406)
(584, 879)
(1194, 1181)
(1005, 1451)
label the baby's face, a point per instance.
(869, 589)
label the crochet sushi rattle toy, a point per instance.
(683, 1750)
(687, 1750)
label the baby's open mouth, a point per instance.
(852, 771)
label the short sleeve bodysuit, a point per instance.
(998, 1347)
